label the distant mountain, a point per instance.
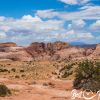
(77, 43)
(88, 46)
(83, 45)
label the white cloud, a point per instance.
(78, 35)
(74, 2)
(92, 12)
(2, 35)
(28, 29)
(72, 35)
(2, 18)
(95, 26)
(83, 1)
(85, 35)
(69, 1)
(49, 25)
(78, 23)
(29, 18)
(46, 13)
(4, 28)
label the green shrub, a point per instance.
(66, 71)
(87, 76)
(4, 91)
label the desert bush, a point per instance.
(51, 84)
(23, 75)
(66, 70)
(3, 70)
(67, 73)
(45, 84)
(13, 69)
(22, 70)
(8, 71)
(87, 75)
(4, 91)
(17, 76)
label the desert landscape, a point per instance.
(49, 49)
(42, 71)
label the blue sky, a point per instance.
(26, 21)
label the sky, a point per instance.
(27, 21)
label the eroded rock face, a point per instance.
(57, 45)
(46, 47)
(47, 51)
(36, 49)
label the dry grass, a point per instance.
(29, 70)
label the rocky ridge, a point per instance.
(47, 51)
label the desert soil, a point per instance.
(39, 90)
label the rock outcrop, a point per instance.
(8, 44)
(10, 51)
(47, 51)
(96, 53)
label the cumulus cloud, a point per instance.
(29, 18)
(95, 26)
(34, 28)
(2, 18)
(78, 23)
(2, 35)
(74, 2)
(73, 35)
(29, 29)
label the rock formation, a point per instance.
(96, 53)
(8, 44)
(13, 52)
(47, 51)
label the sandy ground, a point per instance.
(39, 90)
